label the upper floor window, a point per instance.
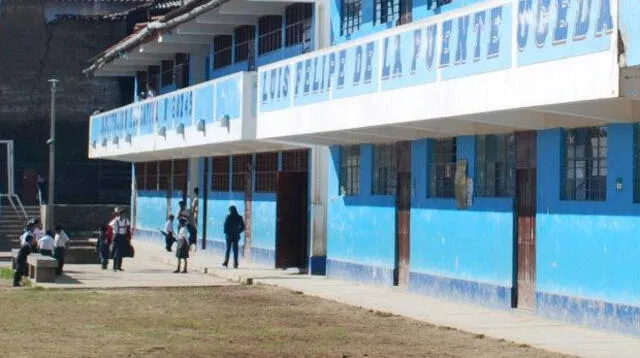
(351, 16)
(495, 161)
(222, 46)
(220, 174)
(384, 169)
(153, 79)
(298, 23)
(386, 11)
(350, 170)
(166, 79)
(270, 33)
(181, 70)
(245, 36)
(443, 168)
(266, 172)
(585, 164)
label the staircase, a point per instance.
(12, 225)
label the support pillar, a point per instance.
(318, 211)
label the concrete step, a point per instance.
(82, 255)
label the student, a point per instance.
(102, 245)
(61, 245)
(28, 230)
(46, 244)
(182, 251)
(233, 227)
(21, 261)
(168, 233)
(193, 225)
(120, 226)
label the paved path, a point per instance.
(510, 325)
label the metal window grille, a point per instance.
(180, 174)
(220, 174)
(585, 164)
(495, 162)
(240, 168)
(266, 172)
(443, 168)
(166, 78)
(270, 33)
(297, 23)
(222, 49)
(181, 70)
(153, 79)
(384, 169)
(164, 175)
(636, 163)
(245, 35)
(152, 176)
(350, 170)
(141, 176)
(386, 11)
(295, 161)
(351, 16)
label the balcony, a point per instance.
(212, 118)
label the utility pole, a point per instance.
(52, 156)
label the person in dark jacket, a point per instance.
(182, 251)
(233, 227)
(102, 245)
(21, 261)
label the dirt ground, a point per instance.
(232, 321)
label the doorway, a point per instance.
(291, 222)
(525, 220)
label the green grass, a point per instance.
(7, 274)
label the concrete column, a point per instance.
(318, 211)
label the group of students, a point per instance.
(46, 243)
(114, 240)
(187, 233)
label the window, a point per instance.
(151, 182)
(351, 16)
(295, 161)
(443, 168)
(266, 172)
(166, 78)
(384, 169)
(181, 70)
(585, 164)
(164, 175)
(220, 174)
(140, 176)
(180, 175)
(245, 35)
(240, 166)
(141, 79)
(270, 33)
(298, 23)
(222, 46)
(386, 11)
(153, 79)
(350, 170)
(495, 161)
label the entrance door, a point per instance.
(525, 210)
(291, 225)
(403, 213)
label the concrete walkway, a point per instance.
(510, 325)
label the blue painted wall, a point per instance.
(360, 229)
(217, 210)
(630, 30)
(152, 210)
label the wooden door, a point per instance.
(525, 207)
(403, 213)
(291, 225)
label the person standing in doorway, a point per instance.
(61, 245)
(120, 225)
(182, 251)
(46, 244)
(21, 261)
(41, 185)
(233, 227)
(168, 233)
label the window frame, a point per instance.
(266, 172)
(386, 11)
(350, 161)
(295, 160)
(297, 22)
(180, 175)
(244, 36)
(350, 17)
(384, 178)
(443, 156)
(239, 170)
(571, 162)
(495, 165)
(220, 174)
(151, 176)
(222, 51)
(166, 73)
(269, 33)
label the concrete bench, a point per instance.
(42, 268)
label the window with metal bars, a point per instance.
(295, 161)
(443, 168)
(240, 168)
(297, 23)
(141, 78)
(350, 170)
(495, 162)
(180, 175)
(384, 169)
(140, 176)
(151, 174)
(244, 36)
(585, 164)
(153, 80)
(386, 11)
(181, 70)
(351, 16)
(222, 47)
(269, 33)
(166, 78)
(266, 172)
(164, 175)
(220, 174)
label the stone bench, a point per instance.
(42, 268)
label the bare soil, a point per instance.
(231, 321)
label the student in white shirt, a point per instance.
(169, 239)
(46, 244)
(61, 244)
(182, 251)
(120, 226)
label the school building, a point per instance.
(485, 151)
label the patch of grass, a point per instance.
(6, 274)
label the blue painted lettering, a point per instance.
(561, 31)
(272, 88)
(285, 82)
(357, 69)
(582, 21)
(386, 64)
(298, 78)
(324, 62)
(397, 64)
(478, 26)
(279, 86)
(524, 16)
(494, 34)
(368, 72)
(605, 21)
(307, 77)
(316, 81)
(332, 69)
(542, 28)
(342, 63)
(446, 35)
(461, 48)
(417, 42)
(432, 32)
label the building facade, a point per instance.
(484, 151)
